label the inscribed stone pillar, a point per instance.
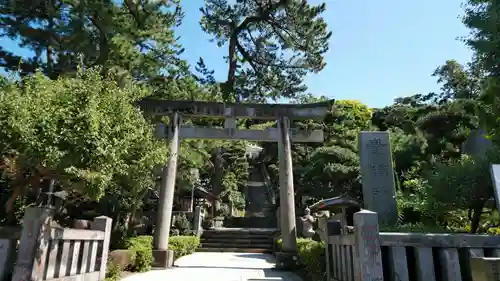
(167, 188)
(287, 194)
(379, 192)
(495, 178)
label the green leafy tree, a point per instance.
(483, 20)
(84, 132)
(332, 168)
(462, 184)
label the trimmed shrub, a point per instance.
(141, 250)
(113, 271)
(183, 245)
(312, 259)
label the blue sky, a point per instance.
(379, 50)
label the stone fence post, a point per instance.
(367, 252)
(33, 245)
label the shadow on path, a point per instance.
(219, 267)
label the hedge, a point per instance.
(312, 258)
(183, 245)
(141, 249)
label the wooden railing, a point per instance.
(49, 252)
(369, 255)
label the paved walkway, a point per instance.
(219, 267)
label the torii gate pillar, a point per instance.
(287, 193)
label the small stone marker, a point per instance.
(367, 251)
(485, 269)
(379, 192)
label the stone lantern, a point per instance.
(253, 151)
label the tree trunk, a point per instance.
(476, 217)
(131, 228)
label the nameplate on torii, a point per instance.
(235, 110)
(266, 135)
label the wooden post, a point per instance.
(367, 252)
(103, 224)
(287, 194)
(33, 245)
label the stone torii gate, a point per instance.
(284, 135)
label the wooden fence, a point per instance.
(370, 255)
(48, 252)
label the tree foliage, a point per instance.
(83, 132)
(131, 38)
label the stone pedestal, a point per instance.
(163, 258)
(485, 269)
(287, 260)
(218, 222)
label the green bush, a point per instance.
(493, 231)
(113, 272)
(414, 227)
(183, 245)
(141, 248)
(312, 258)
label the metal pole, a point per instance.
(167, 188)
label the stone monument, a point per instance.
(377, 177)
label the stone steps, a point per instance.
(245, 240)
(250, 222)
(237, 244)
(235, 250)
(241, 240)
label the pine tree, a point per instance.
(271, 45)
(134, 38)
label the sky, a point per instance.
(379, 50)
